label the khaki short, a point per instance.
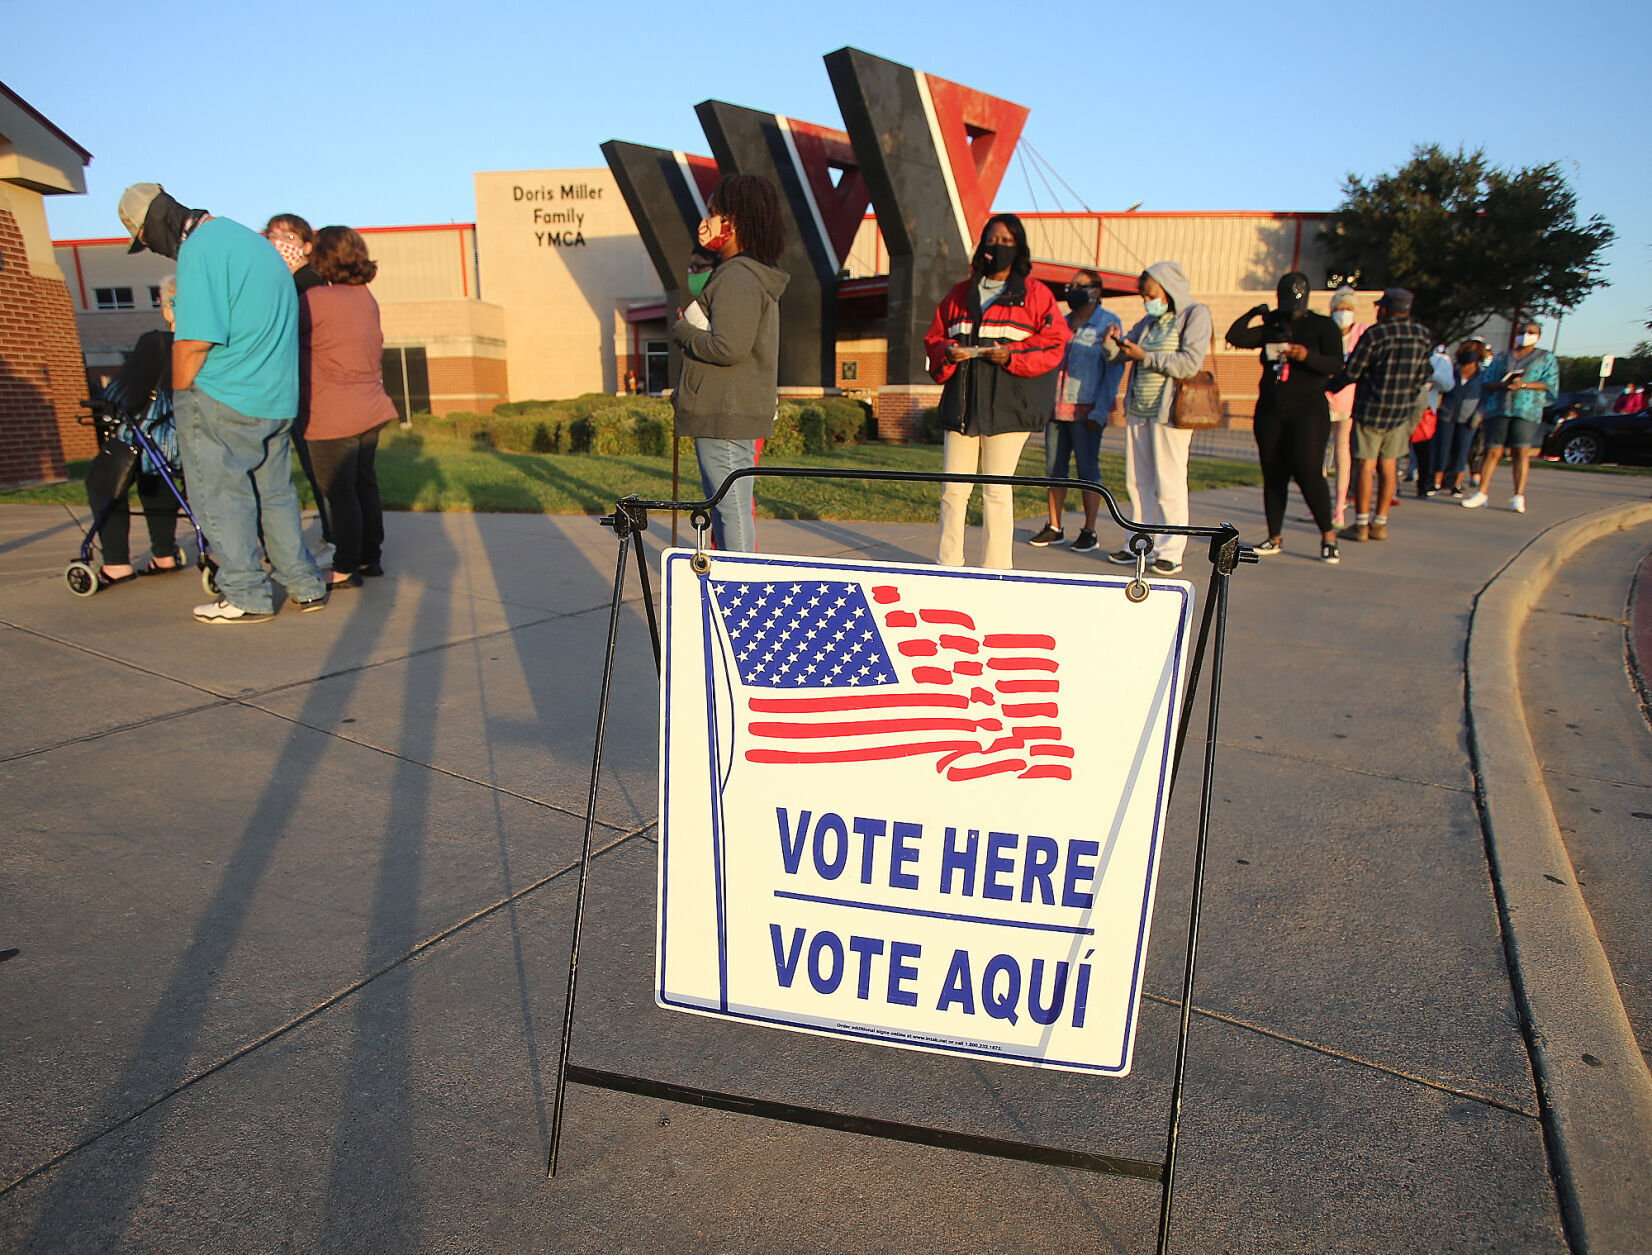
(1380, 444)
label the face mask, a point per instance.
(991, 259)
(291, 252)
(1156, 308)
(1343, 318)
(714, 233)
(1527, 339)
(697, 282)
(1078, 298)
(167, 225)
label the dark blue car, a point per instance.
(1584, 441)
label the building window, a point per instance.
(154, 296)
(851, 371)
(113, 298)
(656, 365)
(407, 380)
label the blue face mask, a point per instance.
(1157, 308)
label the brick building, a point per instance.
(42, 380)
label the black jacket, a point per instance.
(1303, 392)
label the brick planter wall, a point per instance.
(898, 409)
(42, 373)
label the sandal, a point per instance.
(109, 581)
(152, 569)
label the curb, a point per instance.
(1592, 1078)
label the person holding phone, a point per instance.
(994, 344)
(1520, 383)
(730, 335)
(1167, 344)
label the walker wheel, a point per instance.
(209, 579)
(81, 579)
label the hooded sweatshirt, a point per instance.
(729, 384)
(1193, 332)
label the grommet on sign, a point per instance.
(1137, 589)
(700, 563)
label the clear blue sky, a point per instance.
(376, 113)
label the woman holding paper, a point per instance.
(995, 343)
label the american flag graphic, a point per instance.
(840, 672)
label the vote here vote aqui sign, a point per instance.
(915, 805)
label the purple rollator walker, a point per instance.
(126, 447)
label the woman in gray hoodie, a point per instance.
(1169, 344)
(730, 335)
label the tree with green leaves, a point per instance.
(1470, 239)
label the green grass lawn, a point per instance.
(425, 472)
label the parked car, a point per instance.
(1592, 438)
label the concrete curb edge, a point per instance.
(1593, 1079)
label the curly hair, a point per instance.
(750, 202)
(341, 256)
(292, 222)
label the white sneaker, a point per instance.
(1517, 503)
(221, 611)
(1475, 500)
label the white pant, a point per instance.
(993, 455)
(1155, 471)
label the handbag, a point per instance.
(1197, 404)
(1425, 427)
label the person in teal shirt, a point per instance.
(235, 392)
(1519, 383)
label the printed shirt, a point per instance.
(1087, 377)
(1391, 364)
(1540, 367)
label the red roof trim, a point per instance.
(54, 128)
(124, 242)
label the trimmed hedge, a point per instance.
(637, 426)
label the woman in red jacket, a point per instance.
(995, 343)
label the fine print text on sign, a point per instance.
(915, 805)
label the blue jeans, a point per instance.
(732, 525)
(241, 486)
(1451, 446)
(1076, 441)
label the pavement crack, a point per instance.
(1354, 771)
(1578, 614)
(332, 1000)
(1348, 1057)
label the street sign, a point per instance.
(915, 805)
(1606, 364)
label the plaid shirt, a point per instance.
(1391, 364)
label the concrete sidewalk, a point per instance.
(291, 905)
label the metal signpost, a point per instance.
(877, 786)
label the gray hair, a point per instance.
(1344, 295)
(169, 289)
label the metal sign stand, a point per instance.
(629, 520)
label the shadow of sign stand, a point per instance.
(629, 520)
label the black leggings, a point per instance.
(160, 512)
(345, 472)
(1291, 445)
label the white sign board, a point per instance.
(1606, 365)
(915, 805)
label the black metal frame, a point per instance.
(629, 521)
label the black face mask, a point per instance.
(990, 259)
(1078, 298)
(167, 224)
(1293, 294)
